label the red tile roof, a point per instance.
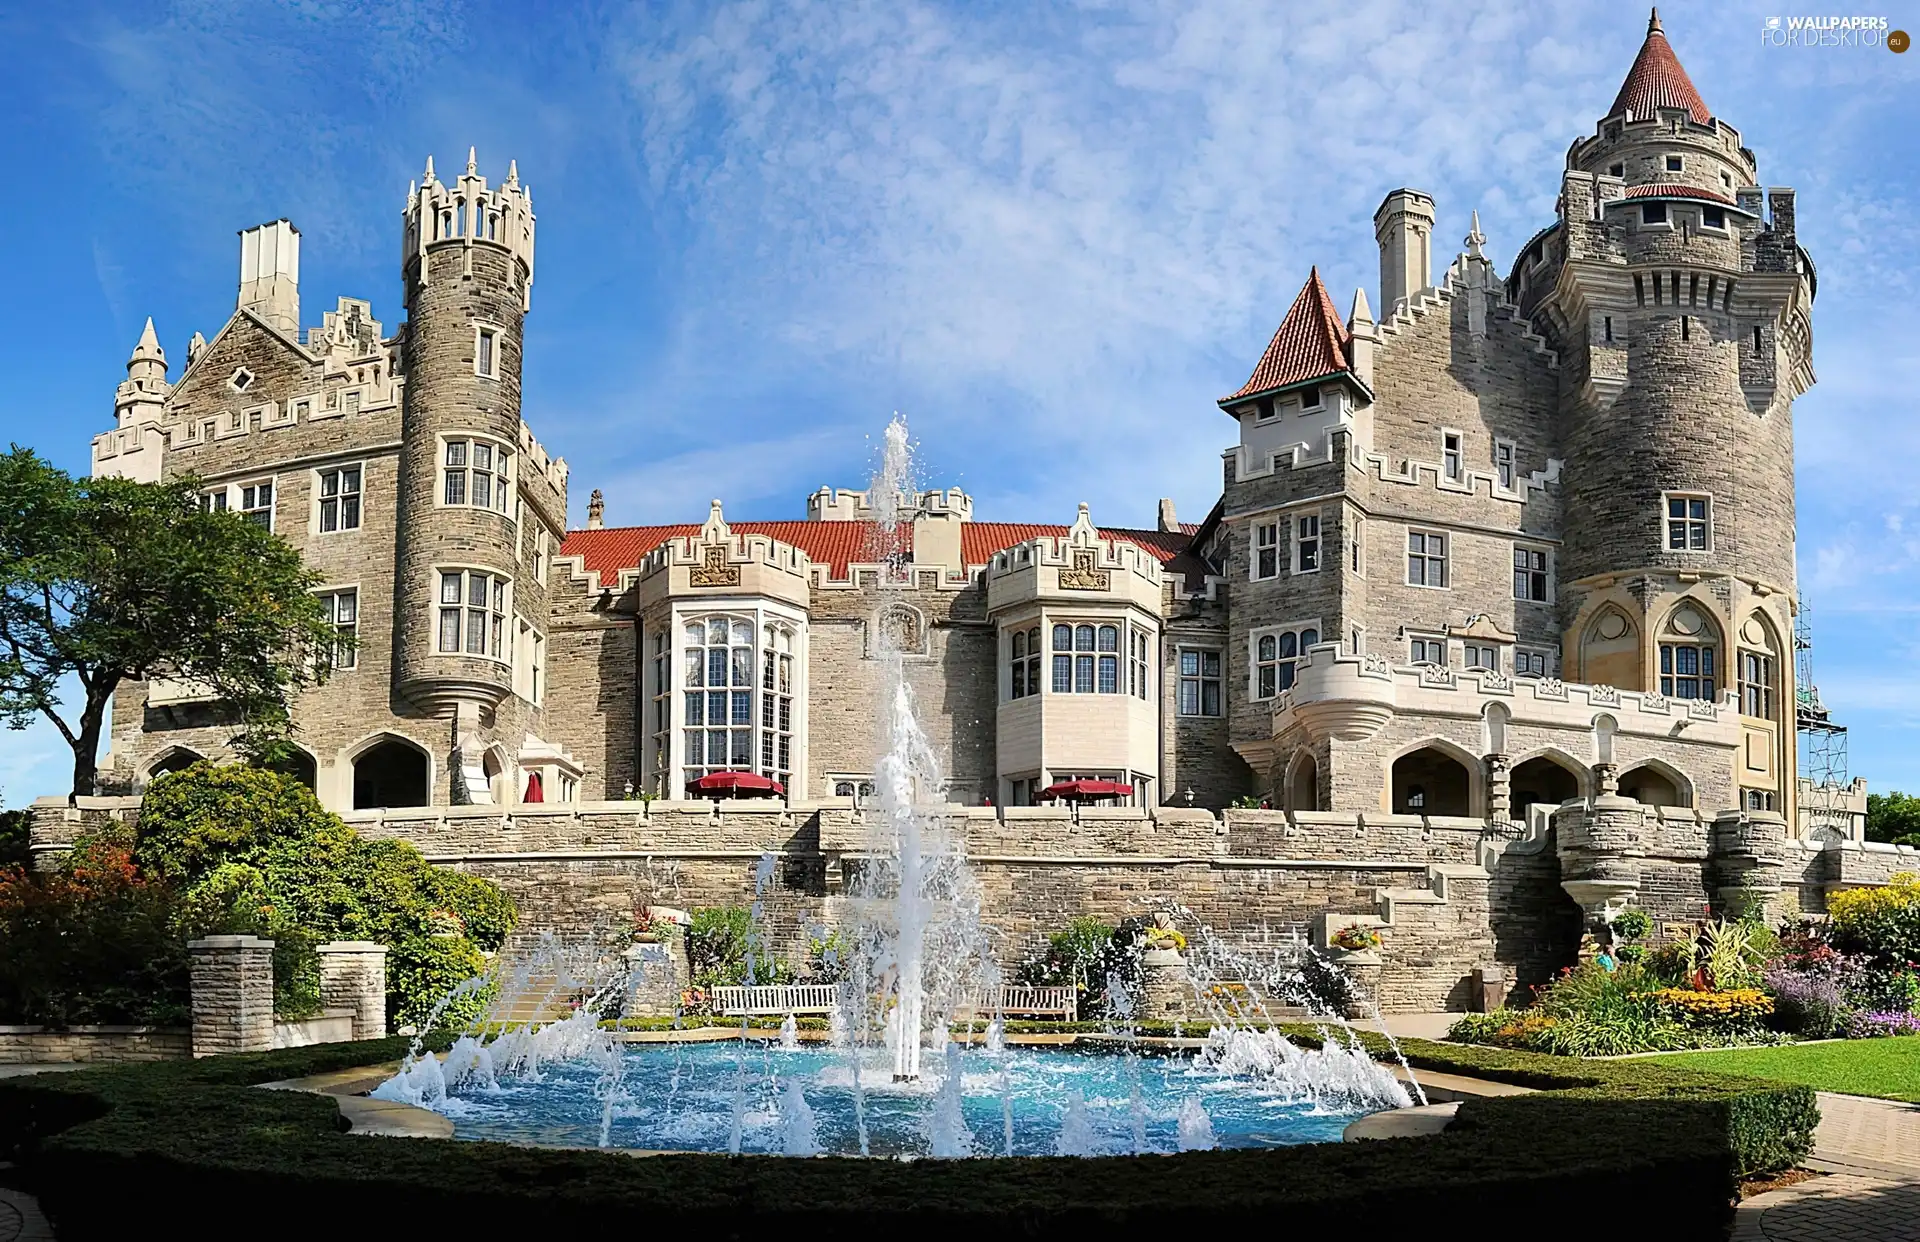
(1657, 81)
(1311, 344)
(1667, 190)
(837, 545)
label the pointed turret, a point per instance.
(148, 358)
(1657, 81)
(1311, 344)
(140, 397)
(426, 178)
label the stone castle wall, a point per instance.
(1451, 895)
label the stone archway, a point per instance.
(1541, 780)
(1430, 781)
(390, 773)
(1303, 783)
(177, 759)
(1653, 785)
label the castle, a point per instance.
(1507, 548)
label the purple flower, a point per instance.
(1884, 1022)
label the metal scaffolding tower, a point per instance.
(1824, 773)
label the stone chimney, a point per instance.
(270, 274)
(596, 510)
(1168, 520)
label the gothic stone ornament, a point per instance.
(1085, 575)
(714, 571)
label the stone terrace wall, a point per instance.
(36, 1045)
(1454, 895)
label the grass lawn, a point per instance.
(1888, 1068)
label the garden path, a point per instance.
(20, 1218)
(1871, 1151)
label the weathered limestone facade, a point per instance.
(1493, 613)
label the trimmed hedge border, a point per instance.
(113, 1152)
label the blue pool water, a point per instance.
(687, 1097)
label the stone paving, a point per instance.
(1870, 1150)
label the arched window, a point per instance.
(1689, 664)
(1431, 781)
(1758, 666)
(179, 759)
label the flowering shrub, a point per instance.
(1808, 1003)
(1883, 922)
(1355, 937)
(1730, 1010)
(1871, 1025)
(92, 942)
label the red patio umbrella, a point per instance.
(536, 789)
(736, 784)
(1084, 791)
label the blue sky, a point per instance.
(1051, 235)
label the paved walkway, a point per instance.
(1870, 1150)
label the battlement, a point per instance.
(839, 504)
(468, 213)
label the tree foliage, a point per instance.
(259, 846)
(91, 941)
(1894, 817)
(111, 580)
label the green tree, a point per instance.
(1894, 817)
(253, 850)
(112, 580)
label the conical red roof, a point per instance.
(1657, 81)
(1311, 344)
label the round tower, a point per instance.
(468, 271)
(1681, 311)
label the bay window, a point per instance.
(473, 609)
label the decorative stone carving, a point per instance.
(714, 571)
(1550, 688)
(1376, 664)
(1499, 800)
(1603, 696)
(1085, 573)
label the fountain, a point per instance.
(914, 954)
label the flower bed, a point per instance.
(1728, 984)
(1672, 1141)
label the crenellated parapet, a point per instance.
(717, 562)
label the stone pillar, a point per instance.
(1606, 779)
(1166, 990)
(1748, 853)
(1499, 792)
(353, 975)
(232, 994)
(1362, 968)
(653, 980)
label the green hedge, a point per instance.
(195, 1138)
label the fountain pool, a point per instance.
(1032, 1102)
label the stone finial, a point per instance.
(473, 165)
(1475, 239)
(1083, 531)
(1653, 23)
(1361, 312)
(1169, 520)
(426, 178)
(197, 343)
(513, 172)
(596, 510)
(715, 529)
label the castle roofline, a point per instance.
(1311, 345)
(608, 550)
(1658, 81)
